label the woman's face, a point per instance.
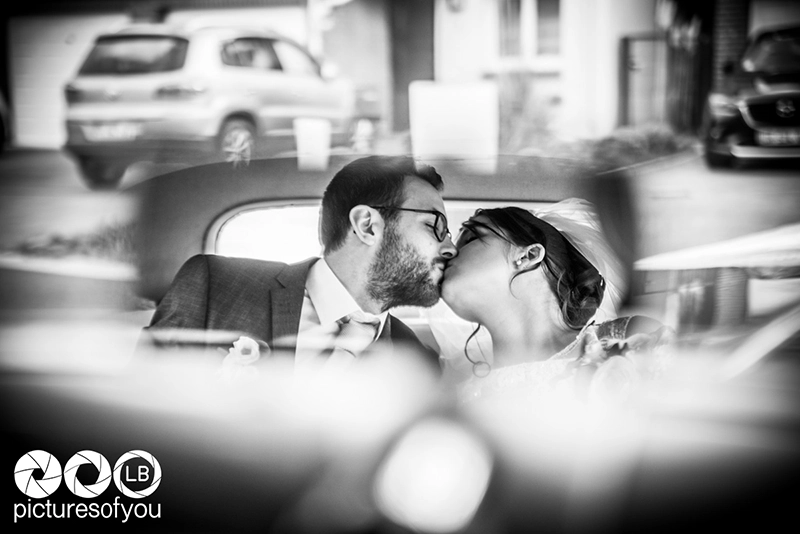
(479, 275)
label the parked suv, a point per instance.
(759, 118)
(158, 92)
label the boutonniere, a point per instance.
(240, 360)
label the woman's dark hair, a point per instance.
(372, 181)
(576, 283)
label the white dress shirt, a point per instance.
(326, 301)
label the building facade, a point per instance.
(565, 68)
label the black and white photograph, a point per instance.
(400, 266)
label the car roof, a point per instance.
(187, 30)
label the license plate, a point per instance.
(782, 137)
(112, 131)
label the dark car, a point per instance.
(756, 115)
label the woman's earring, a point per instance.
(533, 253)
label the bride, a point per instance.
(548, 309)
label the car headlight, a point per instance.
(722, 105)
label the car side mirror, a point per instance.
(329, 71)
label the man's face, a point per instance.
(409, 265)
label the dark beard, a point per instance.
(399, 276)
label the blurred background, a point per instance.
(101, 98)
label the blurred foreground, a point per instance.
(386, 449)
(383, 448)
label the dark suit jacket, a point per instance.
(261, 299)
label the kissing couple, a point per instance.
(529, 284)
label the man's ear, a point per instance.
(367, 224)
(530, 257)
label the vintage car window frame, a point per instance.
(413, 316)
(213, 237)
(212, 240)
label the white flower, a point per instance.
(241, 357)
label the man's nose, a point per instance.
(448, 250)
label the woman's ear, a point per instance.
(367, 224)
(530, 257)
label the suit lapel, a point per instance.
(287, 303)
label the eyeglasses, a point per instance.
(440, 230)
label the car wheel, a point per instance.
(101, 174)
(237, 142)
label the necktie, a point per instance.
(356, 333)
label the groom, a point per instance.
(385, 244)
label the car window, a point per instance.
(287, 232)
(135, 55)
(250, 52)
(775, 52)
(295, 61)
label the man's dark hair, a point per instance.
(372, 181)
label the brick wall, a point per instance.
(730, 33)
